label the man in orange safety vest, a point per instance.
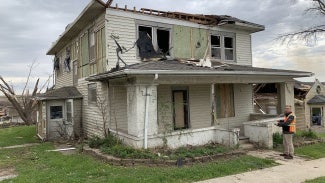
(288, 125)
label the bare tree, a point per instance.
(103, 109)
(25, 104)
(310, 34)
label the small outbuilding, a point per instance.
(59, 113)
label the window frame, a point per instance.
(91, 100)
(155, 26)
(223, 48)
(61, 116)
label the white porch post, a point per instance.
(136, 107)
(286, 95)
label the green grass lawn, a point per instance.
(314, 151)
(17, 135)
(55, 167)
(35, 164)
(318, 180)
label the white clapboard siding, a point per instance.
(200, 106)
(92, 122)
(62, 77)
(165, 113)
(243, 49)
(119, 108)
(124, 29)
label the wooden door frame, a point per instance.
(186, 108)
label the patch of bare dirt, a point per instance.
(7, 173)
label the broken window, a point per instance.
(153, 42)
(67, 60)
(147, 30)
(92, 93)
(224, 95)
(163, 40)
(215, 47)
(223, 47)
(56, 112)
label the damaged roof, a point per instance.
(96, 7)
(318, 99)
(175, 67)
(68, 92)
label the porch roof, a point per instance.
(318, 99)
(69, 92)
(173, 67)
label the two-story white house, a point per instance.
(166, 78)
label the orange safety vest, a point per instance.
(292, 125)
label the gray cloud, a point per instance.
(28, 28)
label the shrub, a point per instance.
(123, 151)
(277, 139)
(309, 134)
(109, 141)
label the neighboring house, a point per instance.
(315, 105)
(188, 78)
(309, 102)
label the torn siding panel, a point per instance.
(243, 48)
(125, 29)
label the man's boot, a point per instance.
(288, 157)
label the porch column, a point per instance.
(286, 95)
(136, 109)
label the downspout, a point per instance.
(146, 121)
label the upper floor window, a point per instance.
(91, 39)
(159, 34)
(223, 47)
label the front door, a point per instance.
(180, 105)
(55, 117)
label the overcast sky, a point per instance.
(28, 28)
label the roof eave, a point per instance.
(87, 12)
(251, 27)
(195, 73)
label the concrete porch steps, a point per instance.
(245, 144)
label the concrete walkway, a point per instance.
(290, 171)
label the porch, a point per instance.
(168, 103)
